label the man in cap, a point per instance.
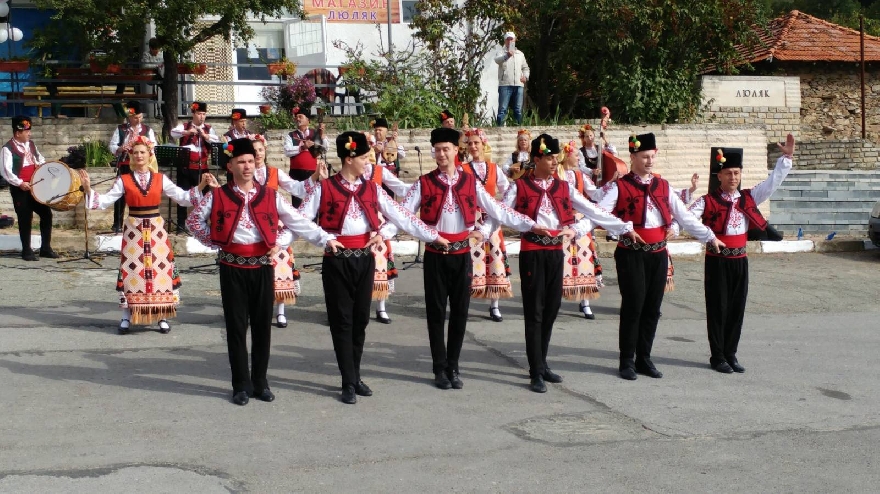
(513, 72)
(348, 273)
(448, 200)
(239, 129)
(299, 146)
(246, 245)
(120, 145)
(197, 136)
(649, 203)
(447, 119)
(551, 202)
(730, 213)
(19, 159)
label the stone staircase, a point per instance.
(821, 202)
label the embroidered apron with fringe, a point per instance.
(578, 277)
(148, 281)
(491, 270)
(286, 277)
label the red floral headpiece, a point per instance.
(143, 141)
(477, 132)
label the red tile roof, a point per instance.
(802, 37)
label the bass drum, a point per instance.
(57, 185)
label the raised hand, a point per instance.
(695, 179)
(787, 148)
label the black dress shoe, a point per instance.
(382, 317)
(348, 395)
(49, 254)
(124, 326)
(441, 380)
(164, 327)
(587, 312)
(628, 373)
(551, 377)
(281, 320)
(723, 367)
(265, 395)
(495, 314)
(455, 380)
(646, 367)
(240, 398)
(361, 389)
(735, 365)
(537, 385)
(28, 255)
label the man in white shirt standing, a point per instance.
(729, 213)
(197, 136)
(513, 72)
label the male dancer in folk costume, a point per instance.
(287, 277)
(119, 145)
(448, 201)
(648, 202)
(379, 171)
(298, 146)
(148, 282)
(730, 213)
(582, 274)
(242, 220)
(19, 160)
(551, 203)
(238, 129)
(490, 267)
(197, 136)
(348, 206)
(520, 157)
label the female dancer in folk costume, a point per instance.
(582, 270)
(148, 281)
(520, 156)
(286, 275)
(490, 267)
(386, 272)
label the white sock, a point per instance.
(280, 309)
(126, 314)
(380, 305)
(494, 303)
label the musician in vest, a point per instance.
(648, 202)
(148, 281)
(239, 128)
(730, 213)
(298, 146)
(447, 119)
(582, 272)
(588, 158)
(249, 224)
(378, 171)
(286, 281)
(19, 159)
(519, 158)
(349, 206)
(120, 145)
(384, 139)
(551, 203)
(448, 200)
(197, 136)
(490, 266)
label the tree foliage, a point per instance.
(180, 26)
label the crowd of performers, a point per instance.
(544, 190)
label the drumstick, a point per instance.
(38, 181)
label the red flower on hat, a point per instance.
(194, 107)
(131, 111)
(295, 110)
(444, 116)
(236, 116)
(227, 149)
(25, 125)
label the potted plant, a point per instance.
(192, 68)
(103, 64)
(15, 65)
(297, 91)
(265, 109)
(282, 68)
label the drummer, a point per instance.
(19, 160)
(120, 145)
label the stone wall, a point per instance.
(831, 100)
(840, 154)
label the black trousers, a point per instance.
(25, 206)
(186, 179)
(299, 175)
(541, 272)
(726, 285)
(348, 288)
(642, 278)
(248, 295)
(119, 205)
(447, 277)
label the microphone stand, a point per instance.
(87, 256)
(418, 259)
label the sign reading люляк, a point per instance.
(761, 91)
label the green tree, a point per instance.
(180, 26)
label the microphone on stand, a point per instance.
(418, 150)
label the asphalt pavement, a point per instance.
(86, 410)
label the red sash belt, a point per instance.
(247, 250)
(353, 241)
(527, 244)
(27, 172)
(654, 238)
(735, 246)
(452, 237)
